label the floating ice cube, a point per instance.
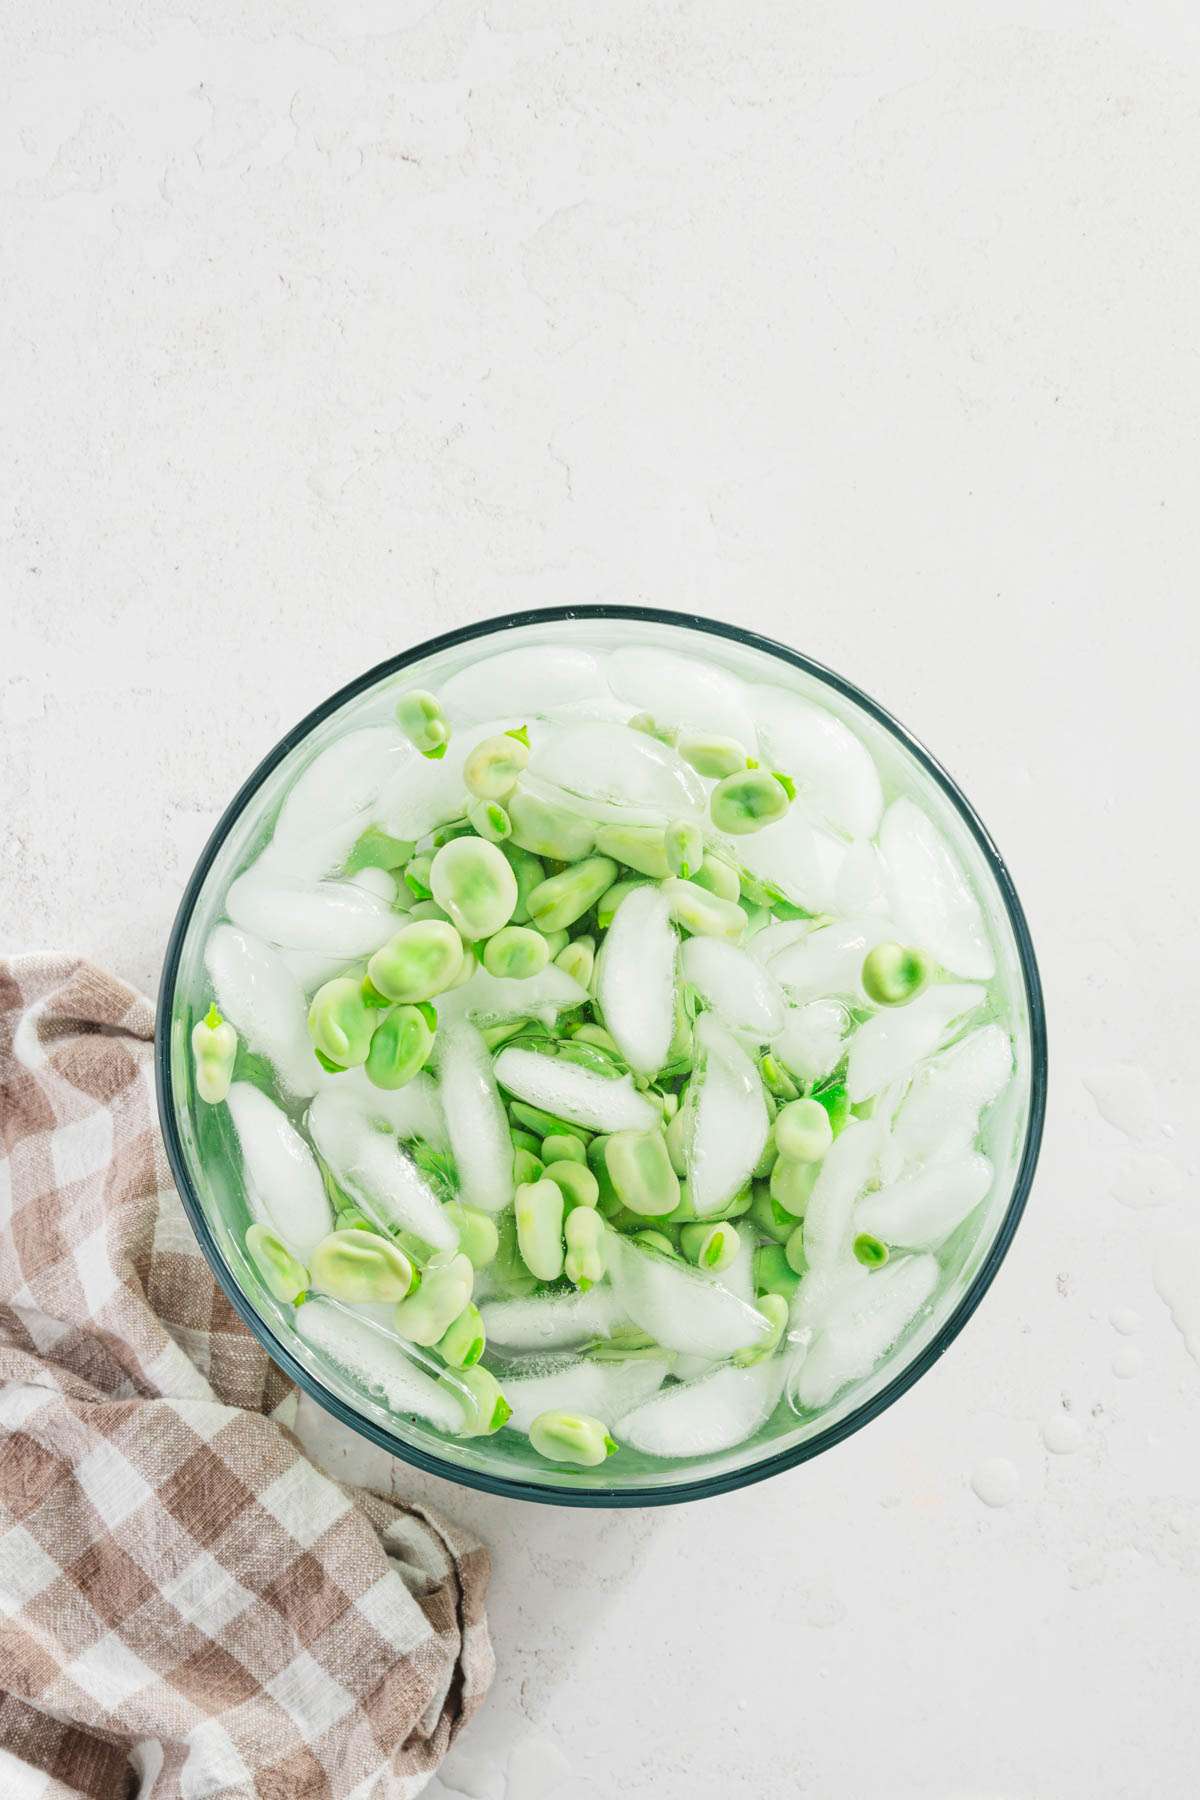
(613, 767)
(552, 1321)
(311, 969)
(329, 805)
(767, 943)
(263, 999)
(929, 897)
(379, 882)
(822, 1292)
(574, 1093)
(836, 780)
(334, 918)
(727, 1124)
(739, 1276)
(475, 1119)
(859, 887)
(376, 1172)
(855, 1337)
(829, 960)
(896, 1039)
(377, 1361)
(793, 855)
(522, 681)
(636, 981)
(283, 1184)
(604, 1390)
(812, 1039)
(424, 794)
(739, 990)
(490, 999)
(920, 1211)
(682, 692)
(702, 1418)
(413, 1111)
(848, 1166)
(677, 1305)
(939, 1118)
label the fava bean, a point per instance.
(341, 1022)
(214, 1046)
(515, 953)
(401, 1046)
(478, 1238)
(748, 800)
(803, 1131)
(571, 1438)
(493, 768)
(585, 1261)
(893, 974)
(284, 1276)
(560, 900)
(539, 1214)
(421, 961)
(474, 882)
(639, 1165)
(702, 913)
(464, 1341)
(421, 719)
(361, 1268)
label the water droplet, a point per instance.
(1128, 1362)
(1125, 1320)
(996, 1481)
(1177, 1279)
(1124, 1095)
(1062, 1434)
(1145, 1178)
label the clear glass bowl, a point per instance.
(206, 1174)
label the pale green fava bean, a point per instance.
(558, 1147)
(470, 963)
(871, 1252)
(376, 849)
(421, 961)
(527, 1167)
(361, 1269)
(610, 900)
(420, 717)
(649, 727)
(774, 1309)
(464, 1341)
(429, 909)
(539, 1214)
(571, 1438)
(712, 756)
(492, 769)
(654, 1240)
(893, 974)
(214, 1046)
(548, 829)
(640, 1167)
(474, 881)
(401, 1046)
(341, 1023)
(528, 871)
(578, 960)
(428, 1314)
(556, 941)
(803, 1130)
(676, 1143)
(794, 1251)
(585, 1261)
(710, 1247)
(516, 953)
(561, 899)
(771, 1218)
(718, 878)
(640, 847)
(747, 801)
(685, 849)
(416, 875)
(478, 1238)
(490, 820)
(702, 913)
(478, 1393)
(773, 1273)
(284, 1276)
(791, 1184)
(574, 1181)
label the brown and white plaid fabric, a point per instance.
(187, 1606)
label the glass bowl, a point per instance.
(205, 1173)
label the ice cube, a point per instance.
(604, 1390)
(848, 1166)
(822, 1292)
(490, 999)
(793, 855)
(739, 990)
(552, 1321)
(413, 1111)
(855, 1336)
(836, 780)
(376, 1172)
(859, 887)
(683, 692)
(334, 918)
(636, 981)
(896, 1039)
(574, 1093)
(311, 969)
(677, 1305)
(377, 1361)
(702, 1418)
(328, 806)
(781, 935)
(475, 1119)
(259, 994)
(812, 1039)
(425, 794)
(939, 1118)
(920, 1211)
(283, 1184)
(829, 960)
(929, 897)
(522, 681)
(726, 1124)
(612, 767)
(380, 882)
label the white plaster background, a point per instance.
(324, 327)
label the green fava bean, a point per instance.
(649, 727)
(361, 1269)
(571, 1438)
(711, 1247)
(803, 1131)
(772, 1219)
(490, 820)
(836, 1102)
(718, 878)
(610, 900)
(464, 1341)
(544, 1124)
(640, 847)
(654, 1240)
(474, 882)
(774, 1309)
(871, 1252)
(548, 829)
(677, 1143)
(578, 960)
(558, 901)
(421, 961)
(525, 1140)
(528, 871)
(640, 1167)
(791, 1184)
(478, 1393)
(712, 756)
(555, 940)
(416, 875)
(575, 1182)
(527, 1167)
(747, 801)
(558, 1147)
(478, 1238)
(539, 1215)
(444, 1291)
(375, 849)
(421, 719)
(214, 1046)
(773, 1273)
(283, 1275)
(702, 913)
(892, 974)
(401, 1046)
(585, 1261)
(341, 1023)
(429, 909)
(493, 768)
(685, 849)
(794, 1251)
(516, 953)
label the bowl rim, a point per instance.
(709, 1485)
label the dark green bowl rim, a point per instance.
(593, 1496)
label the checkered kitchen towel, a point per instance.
(187, 1607)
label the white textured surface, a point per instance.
(325, 327)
